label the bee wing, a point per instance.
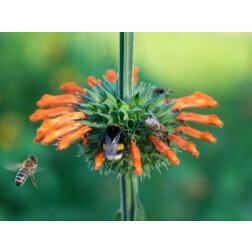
(41, 169)
(111, 149)
(151, 123)
(13, 167)
(17, 166)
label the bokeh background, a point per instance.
(216, 186)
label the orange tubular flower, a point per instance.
(58, 100)
(72, 88)
(136, 158)
(168, 100)
(135, 73)
(196, 100)
(99, 159)
(207, 136)
(111, 76)
(85, 141)
(183, 144)
(92, 81)
(53, 124)
(164, 149)
(212, 120)
(55, 134)
(41, 114)
(72, 136)
(48, 123)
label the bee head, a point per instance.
(165, 134)
(114, 131)
(33, 158)
(159, 90)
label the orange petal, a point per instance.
(72, 88)
(38, 138)
(53, 124)
(41, 114)
(212, 120)
(164, 149)
(196, 100)
(99, 159)
(196, 133)
(135, 73)
(136, 157)
(58, 100)
(85, 141)
(48, 123)
(72, 136)
(168, 100)
(135, 80)
(183, 144)
(111, 76)
(54, 134)
(92, 81)
(135, 70)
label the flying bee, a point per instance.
(28, 168)
(156, 126)
(160, 90)
(113, 142)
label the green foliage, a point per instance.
(216, 186)
(118, 215)
(162, 110)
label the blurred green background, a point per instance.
(216, 186)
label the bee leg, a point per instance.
(125, 144)
(167, 141)
(102, 142)
(126, 139)
(33, 179)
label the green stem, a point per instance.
(129, 197)
(125, 90)
(126, 64)
(123, 195)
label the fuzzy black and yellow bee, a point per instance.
(28, 168)
(113, 142)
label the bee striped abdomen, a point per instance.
(117, 155)
(21, 176)
(120, 147)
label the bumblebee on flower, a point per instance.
(119, 135)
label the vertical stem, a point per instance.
(125, 90)
(124, 203)
(126, 62)
(121, 65)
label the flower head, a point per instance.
(131, 136)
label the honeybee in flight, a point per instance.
(113, 142)
(156, 126)
(28, 167)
